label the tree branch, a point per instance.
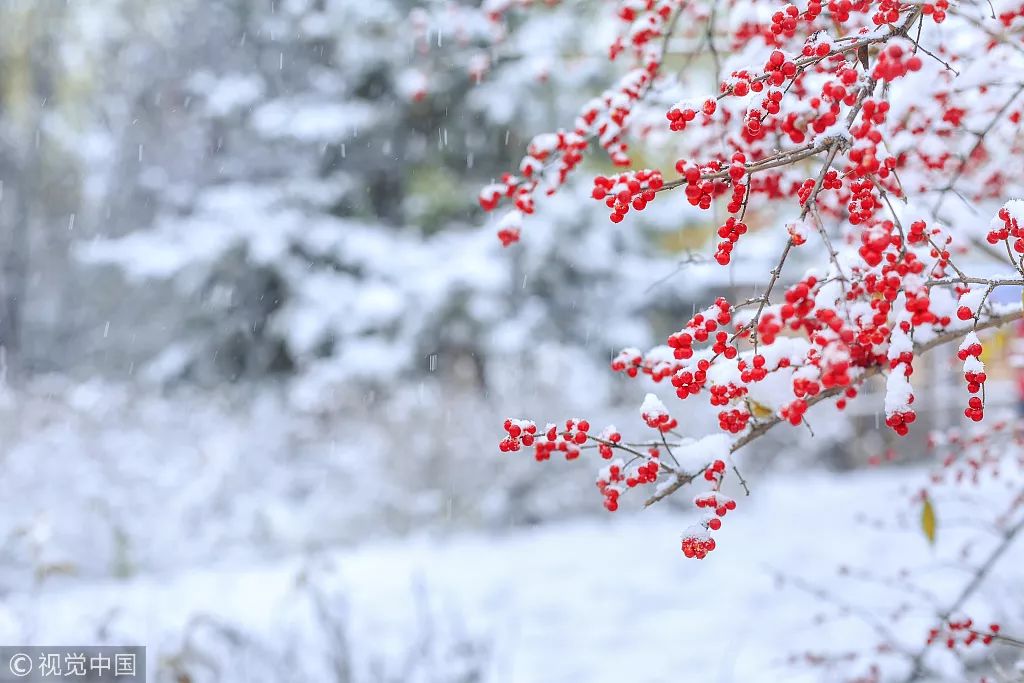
(764, 427)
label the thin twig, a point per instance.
(982, 571)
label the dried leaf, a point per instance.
(759, 410)
(928, 521)
(862, 55)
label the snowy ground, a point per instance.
(607, 599)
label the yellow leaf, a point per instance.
(993, 348)
(928, 521)
(758, 410)
(687, 238)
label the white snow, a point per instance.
(559, 603)
(972, 299)
(652, 407)
(898, 392)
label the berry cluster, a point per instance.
(937, 11)
(840, 9)
(730, 232)
(646, 21)
(833, 125)
(875, 240)
(520, 433)
(895, 62)
(733, 421)
(691, 382)
(509, 228)
(684, 112)
(715, 501)
(627, 190)
(609, 484)
(742, 83)
(899, 394)
(768, 327)
(778, 69)
(974, 375)
(799, 303)
(491, 195)
(784, 22)
(699, 328)
(552, 157)
(962, 632)
(701, 183)
(614, 478)
(697, 541)
(1006, 226)
(645, 474)
(629, 361)
(755, 370)
(737, 172)
(965, 455)
(607, 441)
(864, 203)
(887, 12)
(816, 47)
(793, 412)
(970, 303)
(655, 414)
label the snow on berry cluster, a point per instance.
(809, 76)
(646, 462)
(974, 375)
(759, 363)
(655, 414)
(552, 157)
(697, 541)
(838, 140)
(1006, 228)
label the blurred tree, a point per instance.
(309, 167)
(37, 178)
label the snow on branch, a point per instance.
(837, 133)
